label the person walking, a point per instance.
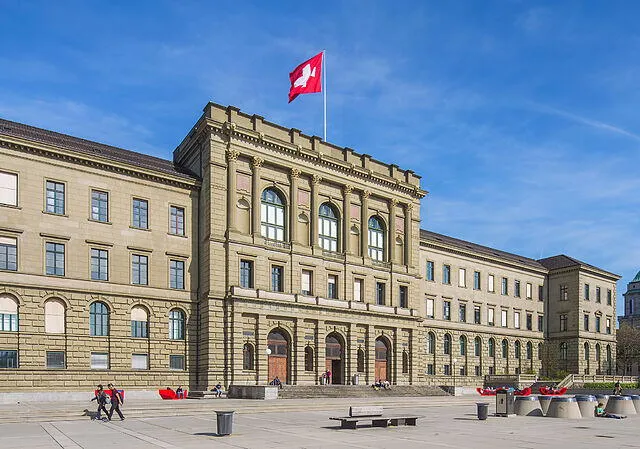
(101, 398)
(116, 402)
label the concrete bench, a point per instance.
(376, 416)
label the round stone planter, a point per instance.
(620, 405)
(587, 404)
(563, 407)
(528, 406)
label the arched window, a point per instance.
(598, 352)
(272, 215)
(139, 322)
(54, 316)
(360, 361)
(517, 350)
(8, 314)
(477, 347)
(563, 351)
(431, 343)
(447, 344)
(328, 228)
(539, 351)
(405, 362)
(463, 345)
(248, 357)
(492, 347)
(376, 239)
(586, 351)
(98, 319)
(609, 361)
(176, 324)
(505, 349)
(308, 358)
(529, 350)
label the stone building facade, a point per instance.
(258, 252)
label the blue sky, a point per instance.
(521, 116)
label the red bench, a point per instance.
(170, 394)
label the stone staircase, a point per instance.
(356, 391)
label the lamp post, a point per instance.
(454, 375)
(268, 353)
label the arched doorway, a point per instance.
(334, 358)
(383, 360)
(278, 345)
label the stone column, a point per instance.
(408, 234)
(321, 345)
(232, 158)
(370, 355)
(313, 216)
(262, 367)
(350, 355)
(293, 212)
(346, 219)
(364, 222)
(392, 230)
(256, 164)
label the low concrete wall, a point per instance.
(265, 392)
(60, 396)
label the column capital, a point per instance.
(316, 179)
(295, 173)
(257, 162)
(393, 202)
(232, 155)
(366, 194)
(409, 207)
(347, 189)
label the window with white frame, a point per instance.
(139, 322)
(503, 318)
(529, 290)
(358, 289)
(176, 274)
(8, 188)
(328, 228)
(54, 258)
(176, 220)
(272, 213)
(55, 197)
(306, 282)
(140, 214)
(8, 313)
(376, 239)
(8, 253)
(176, 362)
(332, 286)
(54, 316)
(99, 205)
(491, 283)
(139, 361)
(99, 360)
(99, 264)
(139, 269)
(462, 277)
(516, 320)
(430, 307)
(491, 312)
(176, 324)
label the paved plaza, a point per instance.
(447, 423)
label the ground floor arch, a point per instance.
(334, 357)
(278, 349)
(383, 359)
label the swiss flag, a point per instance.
(306, 78)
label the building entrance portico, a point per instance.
(278, 354)
(334, 358)
(383, 360)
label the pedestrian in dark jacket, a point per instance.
(101, 398)
(116, 402)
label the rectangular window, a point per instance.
(586, 322)
(176, 274)
(99, 264)
(305, 282)
(430, 307)
(140, 214)
(139, 269)
(380, 293)
(608, 297)
(8, 253)
(503, 318)
(529, 322)
(476, 280)
(462, 313)
(430, 369)
(277, 273)
(176, 362)
(55, 360)
(8, 189)
(447, 370)
(529, 290)
(597, 323)
(540, 323)
(491, 370)
(491, 318)
(598, 299)
(491, 284)
(516, 289)
(99, 360)
(540, 293)
(139, 329)
(358, 289)
(430, 276)
(563, 323)
(99, 206)
(55, 198)
(8, 321)
(139, 361)
(54, 259)
(446, 274)
(404, 296)
(8, 359)
(564, 293)
(476, 314)
(176, 220)
(332, 286)
(505, 286)
(477, 370)
(246, 274)
(608, 325)
(516, 320)
(586, 292)
(462, 277)
(446, 310)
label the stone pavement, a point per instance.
(288, 424)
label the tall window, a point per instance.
(529, 351)
(248, 357)
(586, 292)
(503, 318)
(564, 293)
(462, 313)
(598, 296)
(517, 350)
(608, 326)
(505, 349)
(463, 345)
(360, 361)
(139, 322)
(404, 296)
(564, 349)
(446, 310)
(272, 215)
(380, 293)
(54, 316)
(55, 197)
(8, 189)
(376, 239)
(358, 289)
(8, 253)
(246, 274)
(176, 324)
(306, 282)
(505, 286)
(586, 351)
(597, 323)
(477, 347)
(462, 277)
(8, 313)
(140, 214)
(586, 322)
(332, 286)
(516, 289)
(328, 228)
(476, 280)
(54, 259)
(176, 274)
(529, 321)
(516, 320)
(430, 274)
(98, 319)
(492, 347)
(476, 314)
(139, 269)
(491, 283)
(540, 293)
(176, 220)
(430, 308)
(529, 290)
(608, 297)
(491, 316)
(277, 281)
(431, 343)
(99, 206)
(446, 274)
(563, 323)
(447, 344)
(99, 264)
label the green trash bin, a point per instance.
(225, 422)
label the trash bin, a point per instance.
(483, 410)
(225, 422)
(356, 379)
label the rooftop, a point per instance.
(564, 261)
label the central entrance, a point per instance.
(334, 358)
(278, 356)
(383, 360)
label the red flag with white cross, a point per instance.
(307, 77)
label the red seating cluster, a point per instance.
(170, 394)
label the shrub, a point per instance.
(608, 386)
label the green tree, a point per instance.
(627, 347)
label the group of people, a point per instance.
(179, 392)
(276, 382)
(112, 397)
(381, 384)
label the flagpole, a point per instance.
(324, 90)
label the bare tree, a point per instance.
(627, 348)
(552, 366)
